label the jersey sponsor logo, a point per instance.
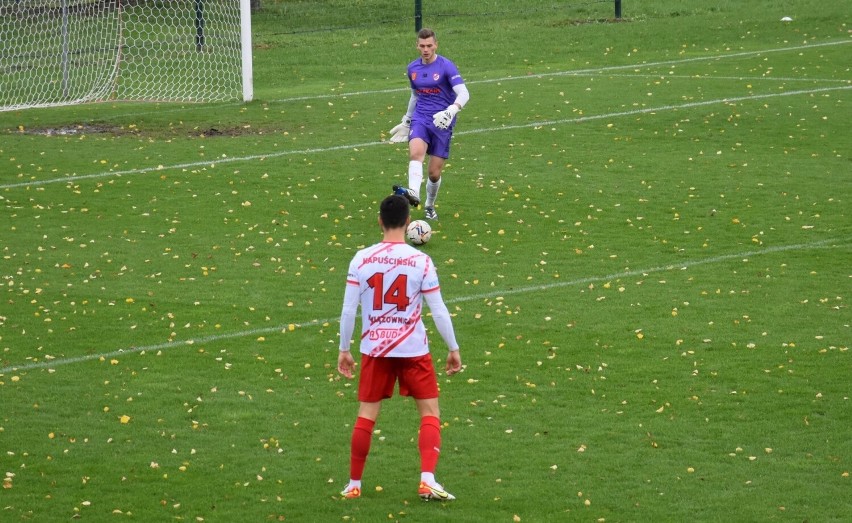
(384, 334)
(429, 90)
(386, 347)
(390, 319)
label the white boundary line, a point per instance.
(661, 108)
(753, 79)
(579, 72)
(671, 62)
(603, 70)
(586, 72)
(473, 297)
(565, 121)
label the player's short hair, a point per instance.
(394, 211)
(426, 33)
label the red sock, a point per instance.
(362, 435)
(429, 443)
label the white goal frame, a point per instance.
(64, 52)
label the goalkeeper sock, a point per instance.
(432, 192)
(415, 176)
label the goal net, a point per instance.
(60, 52)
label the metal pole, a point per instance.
(418, 15)
(245, 50)
(617, 9)
(199, 25)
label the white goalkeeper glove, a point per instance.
(399, 133)
(443, 119)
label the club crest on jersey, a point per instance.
(436, 76)
(413, 76)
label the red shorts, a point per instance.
(416, 378)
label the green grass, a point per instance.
(644, 241)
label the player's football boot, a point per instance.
(350, 492)
(431, 214)
(412, 197)
(428, 492)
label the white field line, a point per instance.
(278, 154)
(658, 109)
(49, 364)
(754, 79)
(590, 71)
(579, 72)
(239, 334)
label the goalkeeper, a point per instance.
(438, 93)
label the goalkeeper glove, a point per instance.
(443, 119)
(400, 131)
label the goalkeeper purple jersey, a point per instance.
(433, 84)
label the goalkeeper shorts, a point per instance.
(437, 140)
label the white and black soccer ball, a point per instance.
(419, 232)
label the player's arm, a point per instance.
(399, 133)
(462, 95)
(443, 119)
(444, 324)
(345, 362)
(412, 103)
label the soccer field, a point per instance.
(643, 239)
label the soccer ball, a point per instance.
(419, 232)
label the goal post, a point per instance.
(62, 52)
(245, 50)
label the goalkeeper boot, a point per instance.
(410, 195)
(434, 491)
(431, 214)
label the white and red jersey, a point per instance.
(390, 281)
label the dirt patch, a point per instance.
(76, 130)
(132, 130)
(215, 131)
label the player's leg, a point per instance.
(439, 151)
(436, 167)
(419, 381)
(429, 443)
(416, 156)
(375, 384)
(429, 439)
(418, 143)
(362, 438)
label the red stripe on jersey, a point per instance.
(407, 330)
(386, 349)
